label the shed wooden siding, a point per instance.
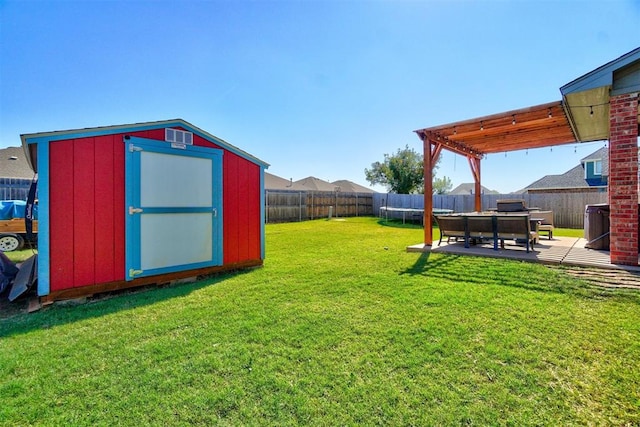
(87, 211)
(241, 205)
(87, 208)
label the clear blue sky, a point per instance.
(321, 88)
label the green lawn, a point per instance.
(340, 327)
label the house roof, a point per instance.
(603, 75)
(574, 177)
(14, 164)
(347, 186)
(581, 115)
(469, 188)
(314, 184)
(586, 99)
(106, 130)
(274, 182)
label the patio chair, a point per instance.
(481, 227)
(545, 222)
(515, 227)
(451, 227)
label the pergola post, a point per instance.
(431, 150)
(428, 192)
(474, 162)
(623, 178)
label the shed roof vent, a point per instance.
(178, 136)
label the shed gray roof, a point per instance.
(102, 130)
(14, 164)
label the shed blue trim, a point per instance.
(44, 278)
(132, 193)
(132, 197)
(262, 214)
(166, 270)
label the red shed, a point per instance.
(129, 205)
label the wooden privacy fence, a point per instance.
(290, 206)
(568, 208)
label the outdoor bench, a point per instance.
(451, 227)
(497, 228)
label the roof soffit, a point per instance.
(589, 113)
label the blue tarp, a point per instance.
(10, 209)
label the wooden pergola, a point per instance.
(538, 126)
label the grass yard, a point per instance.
(340, 327)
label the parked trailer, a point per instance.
(13, 234)
(13, 231)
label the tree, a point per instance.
(401, 173)
(442, 185)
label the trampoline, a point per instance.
(410, 213)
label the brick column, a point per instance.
(623, 178)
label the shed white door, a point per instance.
(174, 217)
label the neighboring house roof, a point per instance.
(14, 164)
(574, 177)
(274, 182)
(314, 184)
(351, 187)
(469, 188)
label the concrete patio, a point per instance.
(568, 251)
